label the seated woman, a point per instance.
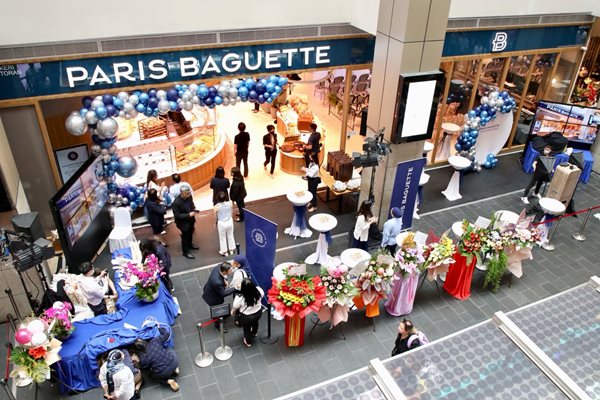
(161, 361)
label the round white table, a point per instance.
(457, 229)
(323, 223)
(553, 208)
(353, 257)
(299, 199)
(452, 192)
(448, 130)
(427, 148)
(505, 217)
(280, 270)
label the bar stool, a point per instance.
(422, 181)
(459, 163)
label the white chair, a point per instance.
(122, 234)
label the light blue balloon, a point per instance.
(243, 92)
(148, 112)
(270, 87)
(218, 100)
(282, 81)
(101, 112)
(249, 83)
(263, 81)
(173, 105)
(273, 79)
(202, 91)
(278, 89)
(83, 111)
(140, 108)
(117, 102)
(143, 97)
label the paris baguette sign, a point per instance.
(111, 72)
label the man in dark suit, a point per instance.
(216, 287)
(313, 145)
(270, 145)
(184, 212)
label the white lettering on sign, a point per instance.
(158, 69)
(500, 41)
(8, 70)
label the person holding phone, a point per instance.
(184, 212)
(94, 288)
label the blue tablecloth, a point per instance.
(77, 369)
(588, 162)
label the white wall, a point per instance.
(40, 21)
(364, 15)
(472, 8)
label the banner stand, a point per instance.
(268, 339)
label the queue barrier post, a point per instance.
(548, 244)
(204, 358)
(13, 303)
(223, 353)
(268, 339)
(579, 236)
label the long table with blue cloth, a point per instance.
(77, 368)
(531, 155)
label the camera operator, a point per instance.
(94, 288)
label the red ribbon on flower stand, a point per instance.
(294, 330)
(459, 276)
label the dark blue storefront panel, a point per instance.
(71, 76)
(508, 40)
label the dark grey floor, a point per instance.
(266, 371)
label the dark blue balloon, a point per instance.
(172, 95)
(144, 98)
(152, 102)
(252, 95)
(457, 146)
(105, 145)
(96, 139)
(87, 101)
(209, 101)
(111, 110)
(133, 205)
(261, 99)
(211, 106)
(152, 92)
(260, 88)
(107, 99)
(212, 91)
(131, 195)
(113, 165)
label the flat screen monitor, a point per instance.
(578, 124)
(416, 106)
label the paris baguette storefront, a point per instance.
(38, 95)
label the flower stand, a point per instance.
(401, 299)
(460, 274)
(294, 331)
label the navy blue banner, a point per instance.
(69, 76)
(405, 189)
(507, 40)
(261, 242)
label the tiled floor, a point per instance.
(266, 371)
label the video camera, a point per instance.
(374, 150)
(25, 253)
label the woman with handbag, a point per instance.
(247, 309)
(312, 176)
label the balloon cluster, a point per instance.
(126, 195)
(33, 334)
(490, 161)
(491, 104)
(460, 93)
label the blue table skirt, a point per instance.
(77, 369)
(588, 162)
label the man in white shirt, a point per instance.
(94, 288)
(116, 378)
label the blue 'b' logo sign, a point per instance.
(500, 41)
(258, 237)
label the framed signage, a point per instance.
(416, 106)
(70, 159)
(222, 310)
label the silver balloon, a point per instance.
(222, 90)
(493, 95)
(122, 114)
(128, 107)
(485, 100)
(232, 92)
(161, 94)
(119, 202)
(188, 106)
(104, 152)
(232, 102)
(226, 101)
(193, 88)
(76, 125)
(96, 149)
(226, 84)
(91, 118)
(195, 99)
(127, 166)
(106, 158)
(499, 102)
(238, 99)
(108, 128)
(134, 114)
(187, 96)
(235, 83)
(125, 201)
(112, 150)
(123, 96)
(98, 98)
(163, 106)
(127, 116)
(96, 104)
(134, 99)
(112, 198)
(474, 125)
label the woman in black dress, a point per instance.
(155, 212)
(237, 193)
(219, 184)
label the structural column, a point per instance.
(410, 38)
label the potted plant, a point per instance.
(148, 278)
(58, 317)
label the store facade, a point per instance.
(530, 63)
(46, 91)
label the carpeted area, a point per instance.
(507, 177)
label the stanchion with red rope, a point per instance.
(204, 358)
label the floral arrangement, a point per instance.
(58, 317)
(524, 237)
(148, 277)
(339, 288)
(36, 351)
(437, 253)
(375, 281)
(410, 256)
(472, 240)
(297, 295)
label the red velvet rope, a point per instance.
(207, 323)
(566, 215)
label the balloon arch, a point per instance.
(491, 104)
(97, 117)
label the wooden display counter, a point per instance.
(293, 162)
(200, 174)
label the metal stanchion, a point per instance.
(579, 236)
(204, 358)
(11, 321)
(548, 245)
(224, 352)
(7, 390)
(13, 303)
(268, 339)
(237, 249)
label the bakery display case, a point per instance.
(193, 147)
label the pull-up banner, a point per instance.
(261, 242)
(406, 186)
(66, 76)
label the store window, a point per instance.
(561, 80)
(442, 109)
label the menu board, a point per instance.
(82, 202)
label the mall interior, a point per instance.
(463, 123)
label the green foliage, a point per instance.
(36, 369)
(495, 270)
(146, 292)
